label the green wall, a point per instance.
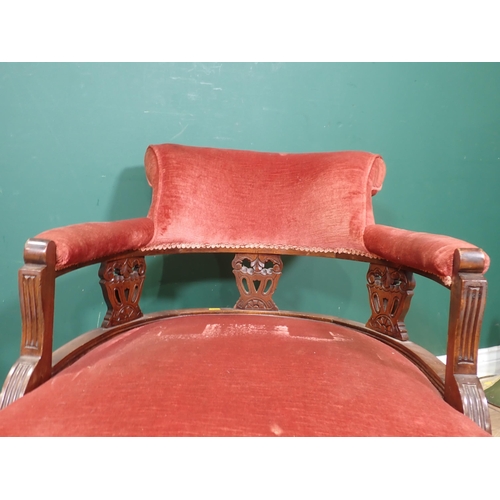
(73, 136)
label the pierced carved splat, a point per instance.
(257, 276)
(390, 291)
(121, 283)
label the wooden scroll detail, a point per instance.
(121, 283)
(36, 294)
(390, 292)
(17, 380)
(468, 299)
(474, 402)
(257, 276)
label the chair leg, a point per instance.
(468, 298)
(36, 292)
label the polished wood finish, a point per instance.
(260, 250)
(257, 277)
(121, 283)
(468, 298)
(36, 294)
(390, 292)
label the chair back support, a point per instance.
(213, 198)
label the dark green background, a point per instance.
(73, 136)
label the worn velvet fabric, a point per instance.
(91, 241)
(236, 375)
(207, 198)
(215, 198)
(432, 253)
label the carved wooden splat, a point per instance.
(121, 283)
(390, 291)
(257, 276)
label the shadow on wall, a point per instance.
(131, 196)
(197, 280)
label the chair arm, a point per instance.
(430, 253)
(93, 241)
(49, 252)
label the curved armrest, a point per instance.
(91, 241)
(49, 252)
(430, 253)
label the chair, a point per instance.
(252, 370)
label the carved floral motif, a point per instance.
(390, 291)
(121, 283)
(257, 276)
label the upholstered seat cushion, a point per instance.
(237, 375)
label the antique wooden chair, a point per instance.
(252, 370)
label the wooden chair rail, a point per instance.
(238, 250)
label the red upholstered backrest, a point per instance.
(213, 198)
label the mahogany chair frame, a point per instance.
(390, 288)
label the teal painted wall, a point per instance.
(73, 136)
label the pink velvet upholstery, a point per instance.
(215, 198)
(432, 253)
(90, 241)
(226, 375)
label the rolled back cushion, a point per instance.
(214, 198)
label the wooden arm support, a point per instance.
(463, 390)
(390, 292)
(36, 294)
(121, 284)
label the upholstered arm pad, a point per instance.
(93, 241)
(431, 253)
